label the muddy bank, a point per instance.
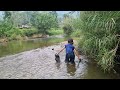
(7, 39)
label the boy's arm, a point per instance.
(76, 52)
(61, 50)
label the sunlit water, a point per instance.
(38, 62)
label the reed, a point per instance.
(99, 33)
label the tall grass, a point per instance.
(99, 36)
(76, 33)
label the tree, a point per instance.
(54, 13)
(6, 24)
(7, 15)
(4, 27)
(67, 24)
(44, 21)
(33, 18)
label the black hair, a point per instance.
(70, 41)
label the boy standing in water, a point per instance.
(70, 50)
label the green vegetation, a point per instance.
(67, 25)
(28, 32)
(99, 32)
(44, 22)
(54, 31)
(76, 33)
(16, 25)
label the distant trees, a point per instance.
(6, 24)
(44, 21)
(67, 24)
(7, 14)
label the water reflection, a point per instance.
(57, 65)
(14, 47)
(71, 69)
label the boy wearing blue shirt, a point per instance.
(70, 52)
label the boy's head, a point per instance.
(70, 41)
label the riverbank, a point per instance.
(34, 36)
(25, 34)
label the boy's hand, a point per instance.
(80, 60)
(57, 53)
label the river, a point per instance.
(34, 59)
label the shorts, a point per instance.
(70, 58)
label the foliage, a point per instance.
(4, 27)
(67, 25)
(76, 33)
(7, 15)
(44, 21)
(99, 36)
(29, 32)
(54, 31)
(67, 29)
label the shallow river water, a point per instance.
(35, 59)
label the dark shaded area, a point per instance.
(117, 60)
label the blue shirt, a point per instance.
(69, 48)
